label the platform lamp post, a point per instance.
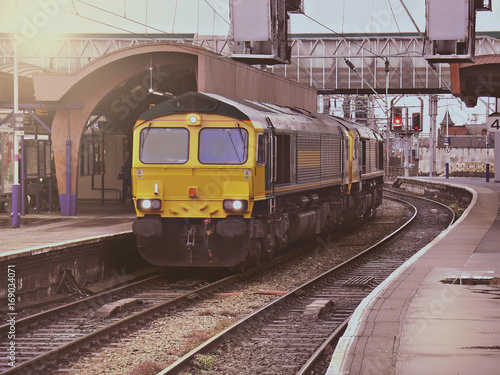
(487, 157)
(16, 187)
(447, 151)
(388, 129)
(497, 141)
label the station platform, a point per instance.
(44, 230)
(439, 313)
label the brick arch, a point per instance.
(86, 88)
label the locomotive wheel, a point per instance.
(255, 255)
(240, 267)
(269, 255)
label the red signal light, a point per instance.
(416, 122)
(397, 118)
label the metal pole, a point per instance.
(406, 152)
(16, 187)
(433, 101)
(487, 146)
(497, 147)
(387, 130)
(22, 178)
(407, 144)
(487, 158)
(447, 151)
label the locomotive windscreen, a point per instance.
(223, 146)
(164, 145)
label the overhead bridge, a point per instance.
(318, 60)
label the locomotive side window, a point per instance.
(223, 146)
(283, 159)
(380, 155)
(164, 145)
(261, 149)
(363, 160)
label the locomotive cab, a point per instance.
(194, 174)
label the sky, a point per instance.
(211, 17)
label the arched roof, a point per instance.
(53, 86)
(24, 69)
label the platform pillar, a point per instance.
(16, 205)
(497, 157)
(68, 200)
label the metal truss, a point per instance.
(317, 60)
(322, 62)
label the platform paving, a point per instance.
(414, 323)
(38, 231)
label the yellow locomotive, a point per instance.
(222, 182)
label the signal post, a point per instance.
(406, 125)
(493, 125)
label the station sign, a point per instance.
(447, 141)
(19, 121)
(493, 122)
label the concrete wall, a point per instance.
(459, 157)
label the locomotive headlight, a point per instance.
(149, 204)
(235, 205)
(193, 119)
(155, 204)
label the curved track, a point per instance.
(44, 340)
(292, 334)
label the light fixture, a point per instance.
(193, 119)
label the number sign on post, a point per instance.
(493, 122)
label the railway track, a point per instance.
(293, 335)
(44, 341)
(44, 338)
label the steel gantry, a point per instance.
(320, 61)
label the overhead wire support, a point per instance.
(353, 68)
(422, 36)
(116, 15)
(384, 58)
(412, 19)
(210, 5)
(399, 30)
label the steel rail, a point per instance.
(334, 337)
(337, 334)
(183, 362)
(32, 319)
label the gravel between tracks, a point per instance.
(167, 338)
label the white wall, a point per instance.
(458, 157)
